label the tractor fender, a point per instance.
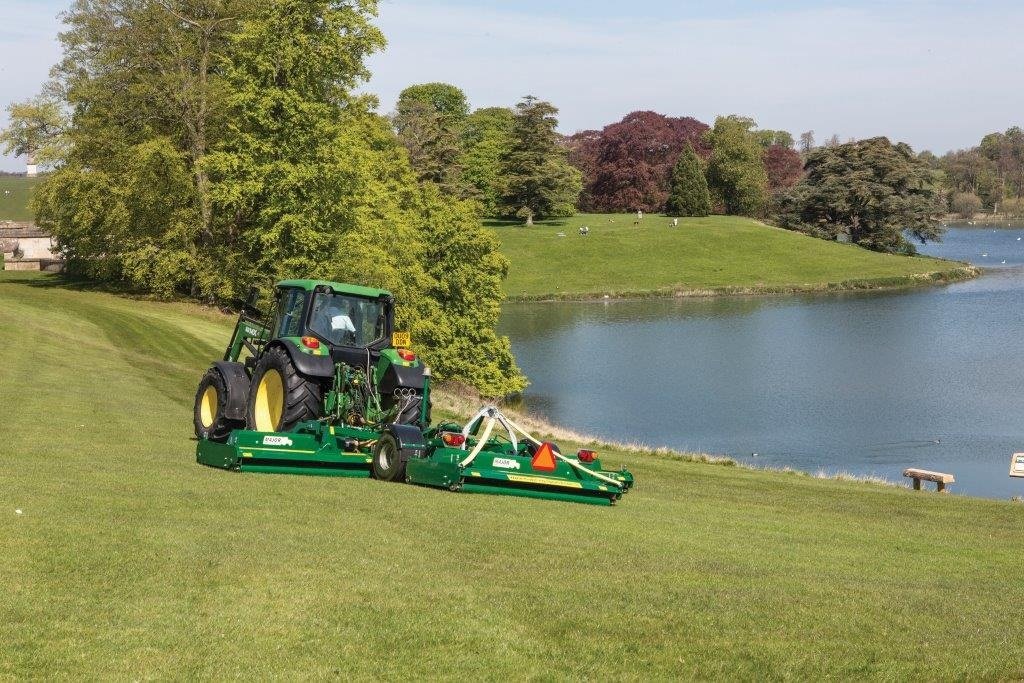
(305, 363)
(236, 379)
(411, 442)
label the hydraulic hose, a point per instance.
(568, 461)
(480, 443)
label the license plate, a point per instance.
(401, 339)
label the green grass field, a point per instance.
(15, 195)
(130, 561)
(718, 254)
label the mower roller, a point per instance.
(323, 385)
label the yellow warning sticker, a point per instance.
(527, 479)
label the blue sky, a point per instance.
(938, 75)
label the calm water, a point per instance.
(863, 383)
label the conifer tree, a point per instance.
(689, 188)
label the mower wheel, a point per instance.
(280, 397)
(387, 462)
(208, 415)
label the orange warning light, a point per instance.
(544, 458)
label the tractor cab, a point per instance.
(351, 323)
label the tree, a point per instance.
(806, 142)
(628, 165)
(736, 175)
(689, 195)
(429, 119)
(486, 135)
(768, 138)
(301, 177)
(538, 180)
(783, 166)
(34, 129)
(444, 98)
(870, 192)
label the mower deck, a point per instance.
(313, 449)
(498, 470)
(474, 464)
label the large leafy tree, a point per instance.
(538, 181)
(736, 175)
(628, 165)
(971, 172)
(689, 189)
(429, 120)
(487, 134)
(870, 192)
(292, 174)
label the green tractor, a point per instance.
(323, 384)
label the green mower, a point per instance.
(324, 385)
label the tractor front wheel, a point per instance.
(387, 462)
(280, 397)
(210, 405)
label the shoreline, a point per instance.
(961, 272)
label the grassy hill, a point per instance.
(15, 195)
(718, 254)
(130, 561)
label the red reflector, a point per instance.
(586, 456)
(406, 355)
(311, 342)
(452, 439)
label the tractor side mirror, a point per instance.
(249, 306)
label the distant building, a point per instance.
(32, 169)
(27, 247)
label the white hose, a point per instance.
(480, 443)
(490, 411)
(578, 466)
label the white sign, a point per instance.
(1017, 465)
(277, 441)
(514, 464)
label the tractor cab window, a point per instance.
(289, 313)
(344, 320)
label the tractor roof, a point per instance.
(341, 288)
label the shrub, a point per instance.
(965, 204)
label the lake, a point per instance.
(866, 383)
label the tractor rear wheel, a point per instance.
(387, 462)
(280, 397)
(210, 405)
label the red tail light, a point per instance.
(586, 456)
(406, 355)
(311, 342)
(452, 439)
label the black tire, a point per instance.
(210, 404)
(387, 462)
(280, 397)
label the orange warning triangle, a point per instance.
(543, 459)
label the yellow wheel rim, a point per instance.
(208, 407)
(269, 401)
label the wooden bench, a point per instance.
(940, 478)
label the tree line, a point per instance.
(513, 164)
(987, 177)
